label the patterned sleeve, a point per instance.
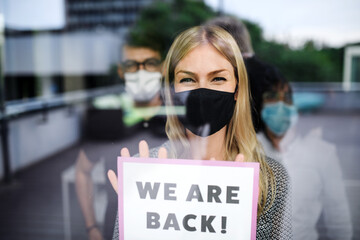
(116, 228)
(283, 217)
(275, 223)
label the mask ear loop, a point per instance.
(235, 92)
(237, 78)
(235, 99)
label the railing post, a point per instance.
(3, 116)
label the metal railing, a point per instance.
(324, 87)
(15, 109)
(19, 108)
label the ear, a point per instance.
(120, 71)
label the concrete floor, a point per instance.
(32, 207)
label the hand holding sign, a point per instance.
(144, 153)
(187, 199)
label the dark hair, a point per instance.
(237, 29)
(131, 41)
(262, 76)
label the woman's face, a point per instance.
(204, 67)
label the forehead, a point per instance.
(204, 58)
(139, 54)
(281, 87)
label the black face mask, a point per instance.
(207, 111)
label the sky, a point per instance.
(327, 22)
(33, 14)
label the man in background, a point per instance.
(144, 120)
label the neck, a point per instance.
(274, 139)
(206, 148)
(156, 101)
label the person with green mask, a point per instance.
(313, 164)
(318, 192)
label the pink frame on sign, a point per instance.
(122, 160)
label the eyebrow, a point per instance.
(194, 74)
(217, 71)
(186, 72)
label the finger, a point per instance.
(125, 152)
(143, 149)
(212, 159)
(113, 180)
(240, 158)
(162, 154)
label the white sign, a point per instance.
(175, 199)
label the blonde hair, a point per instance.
(240, 135)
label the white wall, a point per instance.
(350, 53)
(63, 54)
(31, 139)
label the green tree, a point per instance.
(306, 64)
(255, 32)
(162, 21)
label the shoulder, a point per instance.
(276, 166)
(281, 176)
(275, 221)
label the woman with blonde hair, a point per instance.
(205, 73)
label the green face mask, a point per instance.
(279, 117)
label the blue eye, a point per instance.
(218, 79)
(186, 80)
